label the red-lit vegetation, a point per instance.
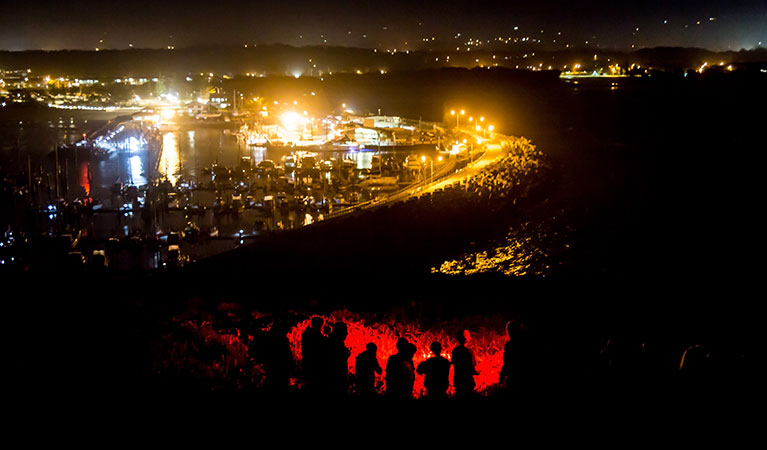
(205, 355)
(227, 354)
(487, 344)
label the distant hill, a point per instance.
(681, 58)
(320, 60)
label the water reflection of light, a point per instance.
(85, 181)
(258, 154)
(169, 162)
(133, 144)
(190, 138)
(136, 171)
(364, 160)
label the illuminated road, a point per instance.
(493, 151)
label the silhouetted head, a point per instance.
(340, 330)
(436, 348)
(512, 327)
(463, 337)
(371, 347)
(402, 344)
(317, 322)
(278, 328)
(695, 360)
(411, 350)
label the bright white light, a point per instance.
(167, 114)
(291, 120)
(133, 144)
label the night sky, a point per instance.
(84, 24)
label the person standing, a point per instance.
(514, 356)
(400, 374)
(336, 361)
(312, 349)
(463, 367)
(366, 369)
(435, 371)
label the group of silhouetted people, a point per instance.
(534, 364)
(324, 358)
(401, 370)
(530, 367)
(325, 365)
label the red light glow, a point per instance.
(486, 344)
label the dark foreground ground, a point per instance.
(659, 215)
(110, 339)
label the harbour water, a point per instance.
(149, 184)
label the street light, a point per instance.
(431, 168)
(458, 117)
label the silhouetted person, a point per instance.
(695, 370)
(277, 359)
(463, 367)
(409, 354)
(515, 356)
(312, 343)
(436, 372)
(616, 364)
(400, 374)
(642, 367)
(336, 357)
(366, 368)
(606, 364)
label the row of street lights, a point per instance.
(457, 116)
(478, 127)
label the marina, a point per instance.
(157, 188)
